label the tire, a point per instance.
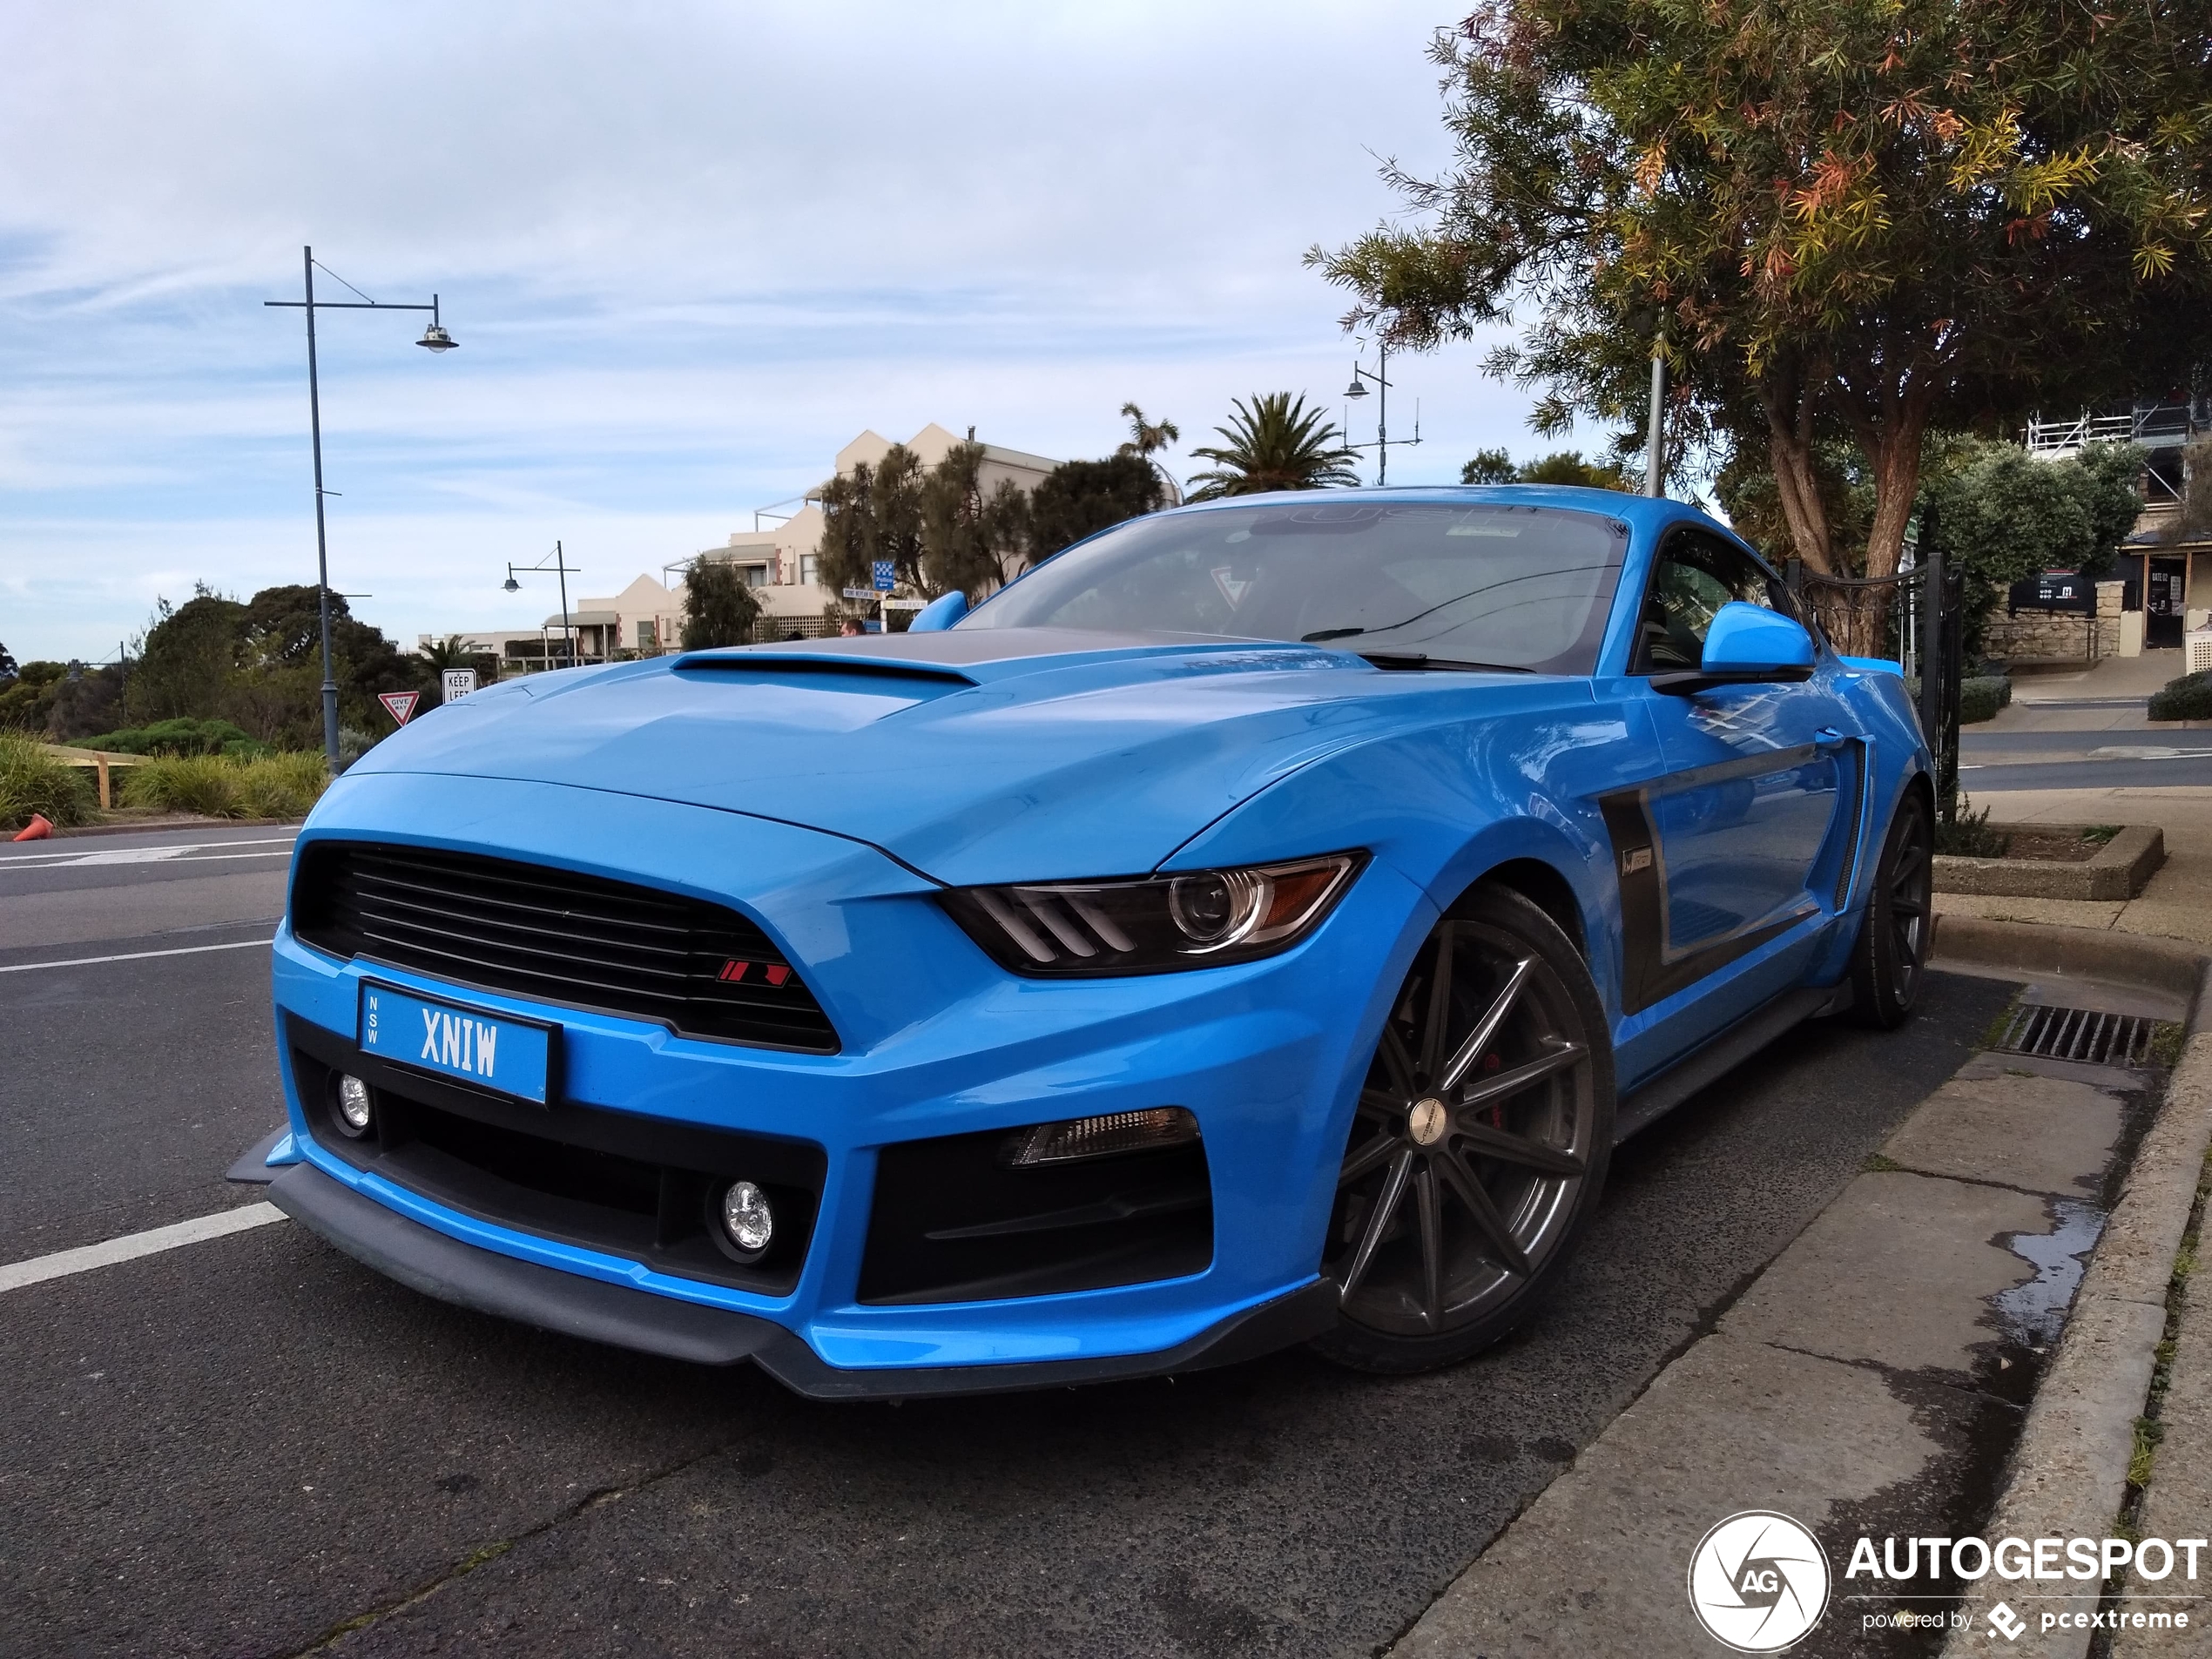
(1889, 962)
(1478, 1146)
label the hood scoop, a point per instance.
(810, 665)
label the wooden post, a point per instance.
(99, 761)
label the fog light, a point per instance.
(1098, 1137)
(352, 1105)
(747, 1219)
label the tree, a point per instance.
(1147, 439)
(1080, 498)
(1276, 443)
(8, 670)
(973, 542)
(1854, 219)
(871, 513)
(2194, 521)
(190, 653)
(1561, 466)
(718, 608)
(1489, 466)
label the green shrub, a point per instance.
(182, 736)
(2187, 699)
(202, 784)
(1969, 836)
(279, 785)
(283, 785)
(33, 781)
(1980, 696)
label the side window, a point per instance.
(1695, 576)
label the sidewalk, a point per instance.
(2177, 903)
(1928, 1359)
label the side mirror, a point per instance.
(939, 613)
(1746, 644)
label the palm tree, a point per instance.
(451, 652)
(1146, 439)
(1277, 443)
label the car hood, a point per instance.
(975, 755)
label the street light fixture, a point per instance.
(1383, 441)
(435, 338)
(562, 567)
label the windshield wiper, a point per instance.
(1415, 659)
(1328, 633)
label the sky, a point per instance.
(689, 251)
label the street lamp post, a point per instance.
(434, 339)
(1383, 441)
(561, 566)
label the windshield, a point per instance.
(1412, 584)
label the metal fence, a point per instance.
(1892, 616)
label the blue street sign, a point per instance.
(883, 577)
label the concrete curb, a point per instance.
(2068, 1471)
(184, 820)
(2174, 965)
(2120, 869)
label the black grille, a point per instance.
(643, 1188)
(581, 941)
(952, 1222)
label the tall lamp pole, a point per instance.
(1653, 451)
(435, 339)
(1383, 440)
(563, 568)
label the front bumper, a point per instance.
(936, 1042)
(430, 1262)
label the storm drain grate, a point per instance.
(2079, 1033)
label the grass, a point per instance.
(1969, 835)
(33, 781)
(281, 785)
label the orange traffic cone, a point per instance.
(37, 830)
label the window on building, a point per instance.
(649, 636)
(809, 566)
(756, 576)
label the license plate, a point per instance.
(495, 1050)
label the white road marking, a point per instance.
(138, 955)
(57, 861)
(15, 1275)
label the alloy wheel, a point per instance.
(1474, 1136)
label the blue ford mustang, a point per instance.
(1256, 925)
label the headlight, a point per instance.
(1153, 924)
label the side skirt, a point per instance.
(1649, 1101)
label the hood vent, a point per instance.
(791, 665)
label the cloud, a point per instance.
(689, 250)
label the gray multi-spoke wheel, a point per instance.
(1888, 962)
(1478, 1145)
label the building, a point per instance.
(644, 619)
(781, 561)
(2165, 585)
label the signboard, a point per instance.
(906, 605)
(456, 682)
(2054, 590)
(858, 593)
(884, 575)
(399, 705)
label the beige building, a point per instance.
(644, 619)
(779, 563)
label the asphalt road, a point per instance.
(253, 1446)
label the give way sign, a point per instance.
(399, 705)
